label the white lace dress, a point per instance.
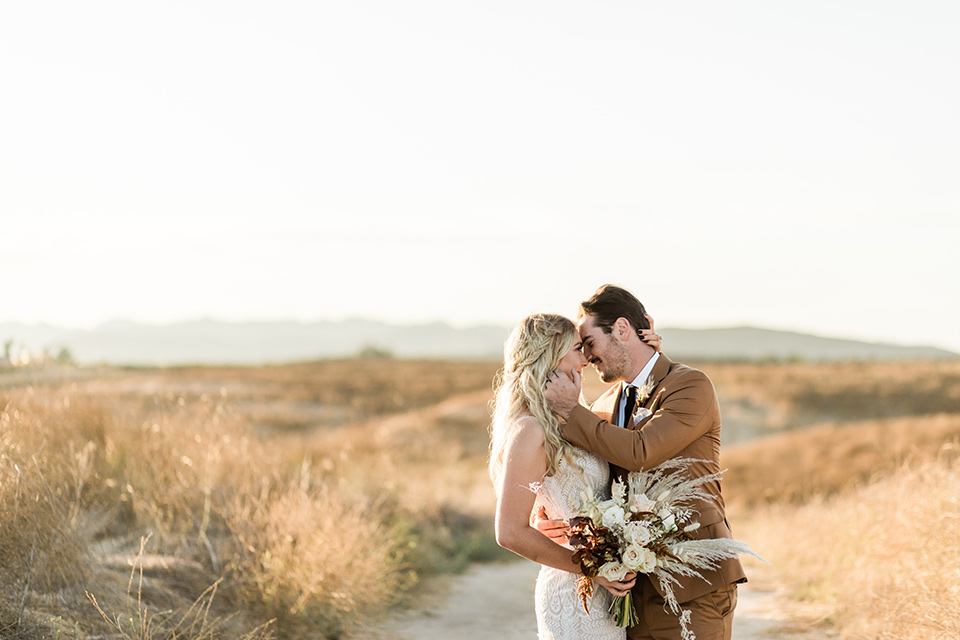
(560, 614)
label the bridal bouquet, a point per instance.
(644, 527)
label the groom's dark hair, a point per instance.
(611, 302)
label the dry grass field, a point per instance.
(294, 501)
(206, 502)
(857, 504)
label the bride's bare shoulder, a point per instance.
(528, 421)
(529, 430)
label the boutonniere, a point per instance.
(643, 393)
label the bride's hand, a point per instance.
(620, 588)
(556, 530)
(651, 337)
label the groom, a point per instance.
(679, 419)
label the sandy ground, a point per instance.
(495, 602)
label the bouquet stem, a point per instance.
(623, 612)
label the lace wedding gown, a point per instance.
(560, 614)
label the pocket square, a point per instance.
(640, 414)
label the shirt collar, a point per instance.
(641, 378)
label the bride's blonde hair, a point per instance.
(533, 350)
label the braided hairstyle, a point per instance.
(533, 350)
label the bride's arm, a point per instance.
(524, 462)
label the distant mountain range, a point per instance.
(215, 342)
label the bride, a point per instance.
(534, 468)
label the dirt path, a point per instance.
(495, 602)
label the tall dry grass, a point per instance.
(313, 556)
(76, 490)
(879, 562)
(308, 502)
(214, 504)
(859, 511)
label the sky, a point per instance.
(790, 165)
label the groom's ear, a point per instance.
(621, 328)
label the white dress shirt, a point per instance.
(639, 381)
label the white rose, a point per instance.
(649, 562)
(613, 518)
(613, 571)
(640, 559)
(637, 533)
(632, 557)
(668, 519)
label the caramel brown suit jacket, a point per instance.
(685, 423)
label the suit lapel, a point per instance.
(660, 370)
(606, 405)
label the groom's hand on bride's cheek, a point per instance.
(556, 530)
(562, 393)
